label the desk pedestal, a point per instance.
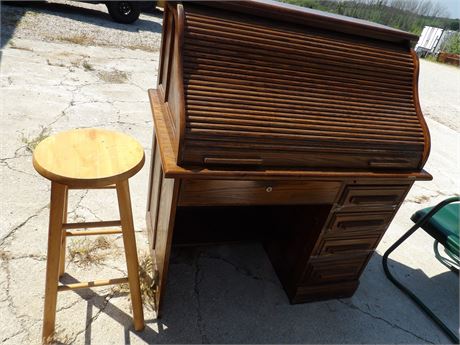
(318, 233)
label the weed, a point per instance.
(113, 77)
(32, 142)
(58, 338)
(87, 66)
(147, 48)
(54, 64)
(77, 39)
(146, 281)
(85, 252)
(4, 255)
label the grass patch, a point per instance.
(148, 48)
(85, 252)
(32, 142)
(146, 281)
(77, 39)
(4, 255)
(87, 66)
(113, 77)
(59, 338)
(54, 64)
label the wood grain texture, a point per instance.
(173, 170)
(163, 224)
(275, 93)
(58, 195)
(218, 192)
(292, 127)
(88, 157)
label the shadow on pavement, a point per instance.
(12, 13)
(204, 306)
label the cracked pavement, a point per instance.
(221, 294)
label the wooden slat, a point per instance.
(340, 41)
(253, 53)
(315, 113)
(275, 44)
(94, 232)
(85, 225)
(195, 132)
(274, 123)
(206, 82)
(313, 98)
(326, 119)
(312, 106)
(91, 284)
(200, 66)
(267, 131)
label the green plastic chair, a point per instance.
(442, 222)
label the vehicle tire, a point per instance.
(125, 12)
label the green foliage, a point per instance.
(452, 44)
(410, 16)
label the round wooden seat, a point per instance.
(88, 157)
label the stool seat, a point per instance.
(89, 157)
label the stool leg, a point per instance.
(129, 241)
(63, 235)
(53, 256)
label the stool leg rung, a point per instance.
(94, 283)
(93, 232)
(110, 186)
(84, 225)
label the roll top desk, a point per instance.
(293, 127)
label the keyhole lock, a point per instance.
(268, 189)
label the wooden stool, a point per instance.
(88, 159)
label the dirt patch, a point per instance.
(113, 77)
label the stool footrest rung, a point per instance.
(84, 225)
(70, 233)
(94, 283)
(110, 186)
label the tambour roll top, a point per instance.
(259, 84)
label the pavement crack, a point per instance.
(196, 289)
(354, 307)
(107, 299)
(239, 269)
(17, 227)
(5, 163)
(71, 305)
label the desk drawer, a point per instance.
(349, 244)
(373, 195)
(335, 268)
(232, 192)
(359, 223)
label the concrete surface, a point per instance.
(223, 294)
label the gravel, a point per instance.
(80, 23)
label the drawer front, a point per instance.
(335, 268)
(373, 195)
(359, 223)
(230, 192)
(343, 245)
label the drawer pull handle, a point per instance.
(268, 189)
(360, 223)
(233, 161)
(388, 164)
(373, 199)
